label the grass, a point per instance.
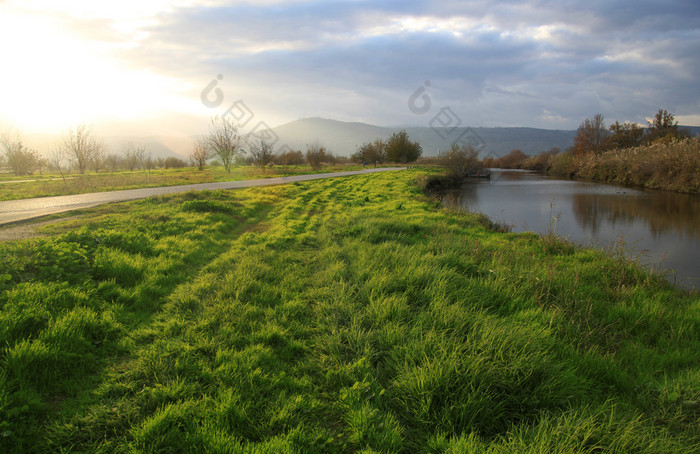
(672, 165)
(50, 184)
(668, 164)
(343, 315)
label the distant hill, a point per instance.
(158, 146)
(343, 138)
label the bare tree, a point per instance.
(112, 162)
(200, 153)
(145, 159)
(223, 141)
(60, 162)
(131, 156)
(82, 147)
(98, 160)
(261, 153)
(591, 136)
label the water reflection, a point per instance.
(663, 226)
(664, 212)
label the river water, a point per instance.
(660, 229)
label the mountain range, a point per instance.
(343, 138)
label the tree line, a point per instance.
(593, 137)
(660, 156)
(80, 150)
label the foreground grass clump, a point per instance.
(338, 315)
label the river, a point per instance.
(660, 229)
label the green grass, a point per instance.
(342, 315)
(51, 184)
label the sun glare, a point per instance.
(54, 78)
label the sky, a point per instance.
(156, 67)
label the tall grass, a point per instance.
(672, 164)
(345, 315)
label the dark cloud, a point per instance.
(531, 63)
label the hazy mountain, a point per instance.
(343, 138)
(158, 146)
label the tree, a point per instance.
(146, 160)
(513, 160)
(590, 136)
(290, 158)
(131, 156)
(200, 153)
(624, 135)
(459, 160)
(371, 152)
(20, 159)
(223, 141)
(664, 126)
(171, 162)
(315, 155)
(58, 159)
(81, 147)
(261, 153)
(399, 148)
(112, 162)
(98, 160)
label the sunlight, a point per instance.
(56, 79)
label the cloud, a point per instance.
(537, 63)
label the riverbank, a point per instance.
(335, 316)
(672, 165)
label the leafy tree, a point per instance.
(224, 142)
(261, 153)
(459, 160)
(20, 159)
(513, 160)
(315, 155)
(290, 158)
(590, 136)
(664, 126)
(399, 148)
(624, 135)
(171, 162)
(371, 152)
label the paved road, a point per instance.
(21, 210)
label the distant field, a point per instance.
(343, 315)
(50, 184)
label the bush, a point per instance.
(174, 163)
(459, 160)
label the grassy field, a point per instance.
(50, 184)
(341, 315)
